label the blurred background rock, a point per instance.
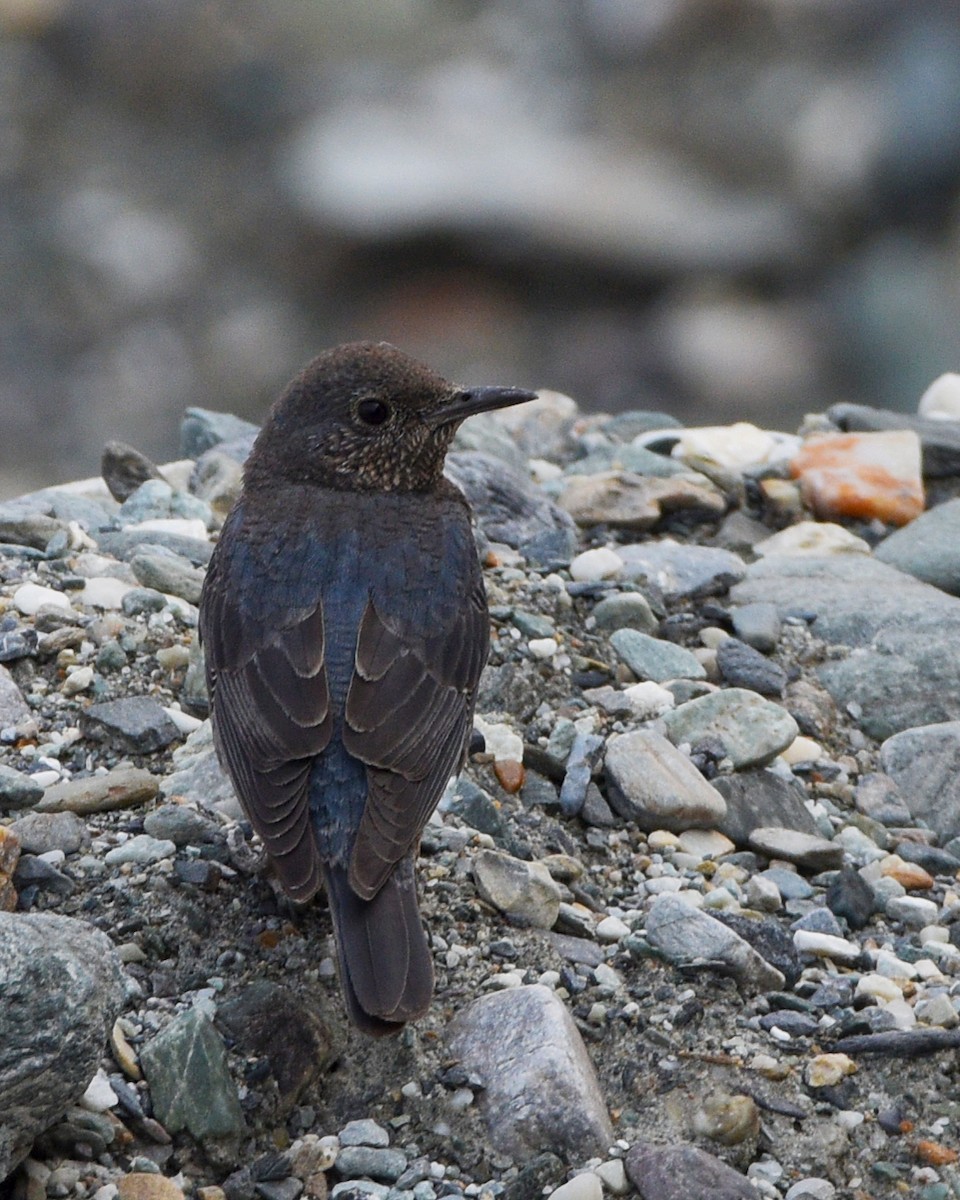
(726, 209)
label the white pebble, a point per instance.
(581, 1187)
(183, 721)
(611, 929)
(802, 749)
(613, 1176)
(941, 400)
(45, 779)
(825, 945)
(601, 563)
(99, 1095)
(53, 857)
(500, 739)
(543, 471)
(545, 647)
(104, 592)
(934, 933)
(30, 597)
(187, 526)
(912, 910)
(77, 681)
(894, 968)
(881, 987)
(649, 699)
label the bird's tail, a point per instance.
(386, 971)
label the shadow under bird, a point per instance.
(345, 626)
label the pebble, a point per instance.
(380, 1164)
(99, 1096)
(758, 625)
(653, 659)
(909, 875)
(941, 400)
(17, 790)
(168, 574)
(123, 787)
(653, 784)
(804, 849)
(684, 1172)
(585, 1186)
(141, 1185)
(744, 667)
(500, 740)
(623, 500)
(812, 538)
(912, 910)
(627, 610)
(602, 563)
(680, 571)
(824, 945)
(105, 593)
(827, 1070)
(363, 1132)
(141, 849)
(29, 598)
(136, 724)
(751, 730)
(524, 891)
(862, 475)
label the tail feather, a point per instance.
(386, 971)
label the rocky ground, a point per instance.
(694, 903)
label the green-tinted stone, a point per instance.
(651, 658)
(191, 1088)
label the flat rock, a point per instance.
(540, 1089)
(753, 731)
(805, 849)
(136, 724)
(928, 548)
(626, 610)
(861, 475)
(924, 764)
(624, 500)
(170, 574)
(63, 987)
(123, 787)
(758, 625)
(41, 832)
(906, 669)
(190, 1085)
(652, 783)
(653, 658)
(761, 797)
(124, 469)
(680, 571)
(939, 440)
(684, 1172)
(687, 936)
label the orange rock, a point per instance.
(9, 850)
(936, 1155)
(510, 775)
(907, 874)
(863, 475)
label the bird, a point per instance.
(344, 625)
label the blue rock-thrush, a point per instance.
(345, 626)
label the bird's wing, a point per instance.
(271, 705)
(410, 704)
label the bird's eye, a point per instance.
(373, 412)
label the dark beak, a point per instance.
(469, 401)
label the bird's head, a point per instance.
(366, 416)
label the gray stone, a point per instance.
(742, 666)
(790, 884)
(201, 428)
(924, 764)
(170, 574)
(197, 775)
(63, 987)
(522, 890)
(125, 543)
(381, 1164)
(41, 832)
(17, 643)
(905, 670)
(752, 730)
(652, 783)
(761, 797)
(140, 850)
(364, 1132)
(190, 1085)
(136, 724)
(850, 896)
(540, 1090)
(878, 797)
(758, 625)
(148, 501)
(689, 937)
(683, 1172)
(13, 707)
(508, 508)
(17, 790)
(180, 824)
(651, 658)
(805, 849)
(580, 763)
(142, 599)
(681, 571)
(533, 625)
(625, 610)
(29, 529)
(928, 548)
